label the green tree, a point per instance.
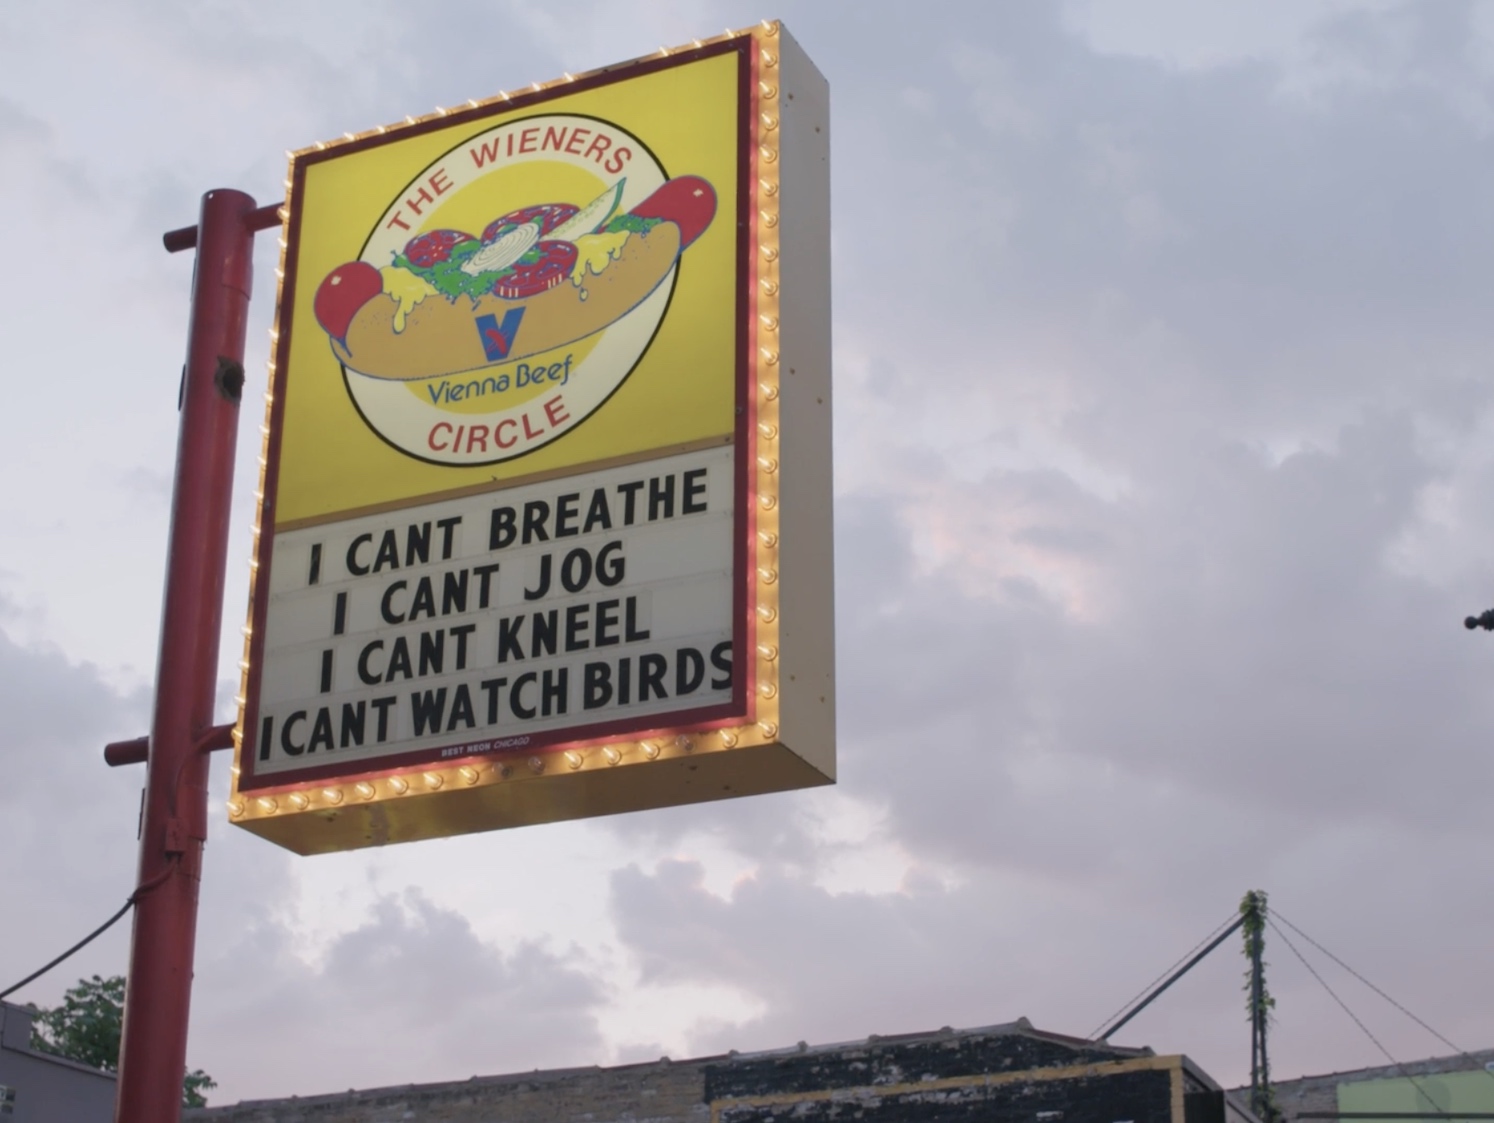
(86, 1028)
(194, 1084)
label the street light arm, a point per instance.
(1484, 620)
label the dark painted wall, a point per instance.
(1140, 1097)
(1000, 1074)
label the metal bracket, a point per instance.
(137, 751)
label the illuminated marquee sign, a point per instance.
(545, 517)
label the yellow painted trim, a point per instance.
(1171, 1064)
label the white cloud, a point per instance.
(412, 981)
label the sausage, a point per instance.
(437, 334)
(443, 337)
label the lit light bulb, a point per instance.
(574, 759)
(728, 738)
(769, 728)
(299, 801)
(399, 785)
(468, 773)
(768, 690)
(612, 755)
(267, 804)
(332, 796)
(650, 750)
(767, 575)
(767, 613)
(768, 538)
(365, 790)
(235, 808)
(434, 780)
(768, 651)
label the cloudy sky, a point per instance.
(1165, 476)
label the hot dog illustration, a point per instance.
(536, 278)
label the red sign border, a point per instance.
(740, 709)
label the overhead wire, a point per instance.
(1344, 1006)
(1455, 1048)
(134, 897)
(1144, 991)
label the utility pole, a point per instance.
(153, 1048)
(1253, 915)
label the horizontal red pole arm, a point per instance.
(137, 751)
(186, 238)
(127, 752)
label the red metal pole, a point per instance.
(153, 1050)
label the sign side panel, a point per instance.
(807, 557)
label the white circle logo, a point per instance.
(511, 288)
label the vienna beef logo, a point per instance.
(510, 288)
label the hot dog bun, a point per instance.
(442, 337)
(539, 278)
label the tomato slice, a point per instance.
(542, 268)
(343, 291)
(550, 215)
(434, 247)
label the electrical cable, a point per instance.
(1147, 989)
(1461, 1052)
(99, 931)
(1422, 1092)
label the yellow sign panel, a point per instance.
(520, 523)
(483, 288)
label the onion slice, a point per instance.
(503, 251)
